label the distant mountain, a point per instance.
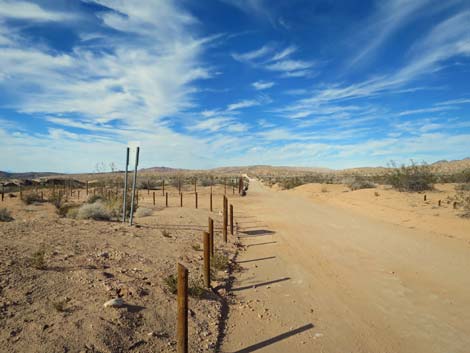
(441, 166)
(25, 175)
(162, 170)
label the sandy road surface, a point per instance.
(319, 278)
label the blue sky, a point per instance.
(200, 84)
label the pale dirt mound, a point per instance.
(60, 308)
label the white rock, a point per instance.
(114, 303)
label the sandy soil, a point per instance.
(60, 308)
(350, 272)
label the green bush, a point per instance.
(412, 178)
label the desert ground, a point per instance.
(58, 305)
(316, 268)
(350, 271)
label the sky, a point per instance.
(202, 84)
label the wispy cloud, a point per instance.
(217, 124)
(386, 20)
(425, 110)
(266, 57)
(455, 101)
(135, 82)
(12, 9)
(262, 85)
(254, 54)
(243, 104)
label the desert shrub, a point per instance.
(31, 198)
(463, 199)
(59, 306)
(290, 183)
(64, 209)
(219, 262)
(114, 206)
(57, 199)
(166, 233)
(143, 212)
(5, 215)
(413, 178)
(206, 181)
(196, 247)
(324, 189)
(72, 212)
(196, 289)
(360, 182)
(37, 260)
(96, 211)
(94, 198)
(463, 187)
(171, 283)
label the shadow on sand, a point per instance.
(275, 339)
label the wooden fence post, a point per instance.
(224, 232)
(78, 194)
(210, 199)
(439, 203)
(231, 219)
(163, 187)
(424, 197)
(166, 199)
(211, 235)
(153, 198)
(195, 183)
(148, 187)
(182, 324)
(207, 260)
(454, 205)
(195, 197)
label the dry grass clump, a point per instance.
(195, 289)
(97, 211)
(143, 212)
(5, 215)
(31, 198)
(412, 178)
(37, 260)
(166, 233)
(219, 262)
(196, 247)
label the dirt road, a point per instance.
(319, 278)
